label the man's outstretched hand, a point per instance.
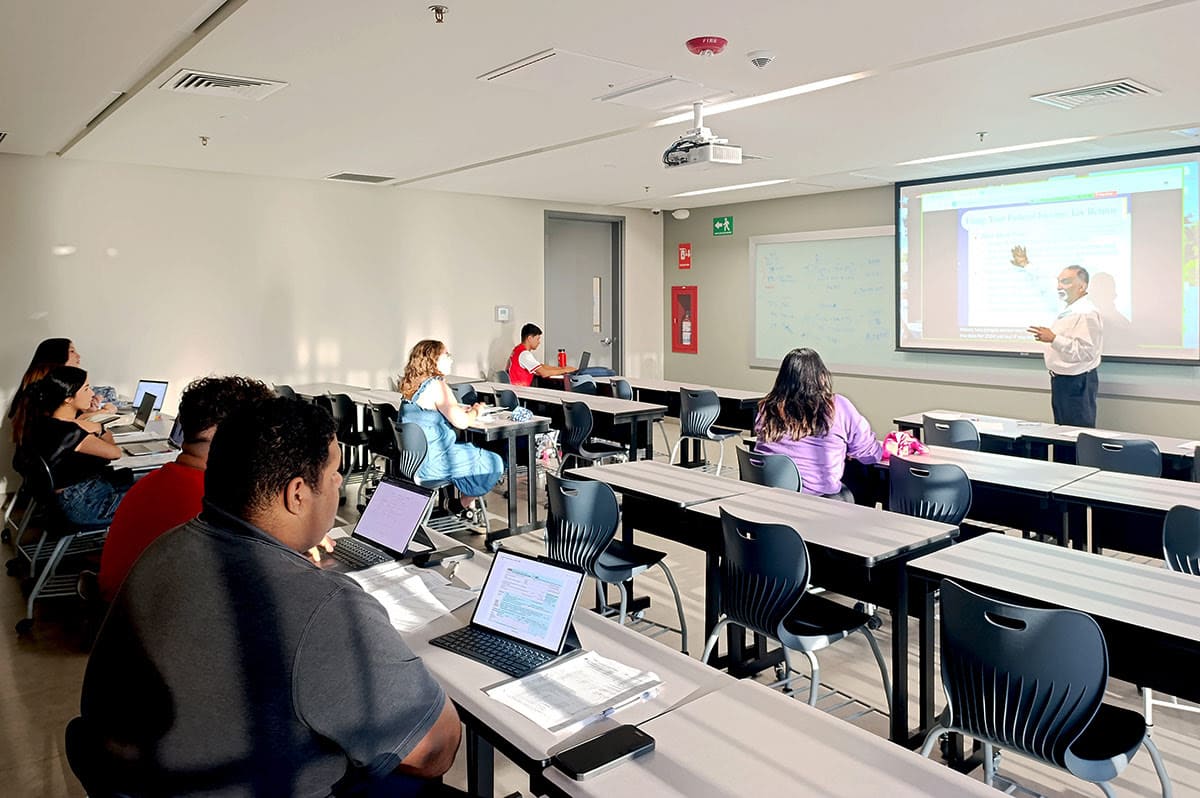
(1020, 258)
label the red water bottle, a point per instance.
(562, 357)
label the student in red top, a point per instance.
(170, 496)
(523, 364)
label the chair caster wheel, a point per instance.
(24, 626)
(640, 615)
(780, 671)
(875, 623)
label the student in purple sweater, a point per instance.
(804, 419)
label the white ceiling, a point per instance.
(376, 87)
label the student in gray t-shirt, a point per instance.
(229, 664)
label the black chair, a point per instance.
(581, 532)
(351, 438)
(765, 576)
(507, 399)
(621, 389)
(1124, 455)
(1181, 550)
(958, 433)
(502, 376)
(698, 411)
(1032, 681)
(381, 445)
(412, 447)
(772, 470)
(581, 383)
(933, 491)
(86, 756)
(576, 441)
(1196, 465)
(464, 392)
(285, 392)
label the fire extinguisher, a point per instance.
(685, 329)
(562, 357)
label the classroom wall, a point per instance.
(173, 274)
(720, 268)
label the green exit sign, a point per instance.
(722, 225)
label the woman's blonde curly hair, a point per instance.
(422, 364)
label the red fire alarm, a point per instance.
(706, 45)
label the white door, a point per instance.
(582, 272)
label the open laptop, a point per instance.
(156, 387)
(523, 615)
(172, 444)
(386, 528)
(584, 359)
(140, 419)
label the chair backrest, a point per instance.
(37, 477)
(411, 448)
(285, 392)
(698, 411)
(335, 408)
(581, 383)
(933, 491)
(1026, 679)
(464, 392)
(1196, 465)
(1181, 539)
(583, 521)
(507, 399)
(502, 376)
(345, 413)
(621, 389)
(1125, 455)
(772, 470)
(764, 573)
(577, 426)
(959, 433)
(381, 438)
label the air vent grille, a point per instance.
(212, 84)
(353, 177)
(1096, 93)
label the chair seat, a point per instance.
(621, 561)
(1107, 745)
(595, 450)
(818, 622)
(724, 433)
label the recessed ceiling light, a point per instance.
(769, 97)
(996, 150)
(738, 187)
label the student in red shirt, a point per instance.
(170, 496)
(523, 364)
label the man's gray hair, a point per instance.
(1081, 273)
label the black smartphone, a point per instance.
(604, 752)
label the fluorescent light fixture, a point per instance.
(769, 97)
(738, 187)
(995, 150)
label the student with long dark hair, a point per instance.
(49, 354)
(78, 451)
(804, 419)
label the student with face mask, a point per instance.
(428, 401)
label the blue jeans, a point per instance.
(91, 502)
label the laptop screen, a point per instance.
(156, 387)
(529, 599)
(393, 515)
(145, 409)
(176, 436)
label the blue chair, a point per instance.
(933, 491)
(412, 447)
(698, 411)
(464, 392)
(1032, 681)
(502, 376)
(1124, 455)
(958, 433)
(764, 587)
(1181, 550)
(622, 390)
(576, 439)
(581, 532)
(771, 470)
(581, 383)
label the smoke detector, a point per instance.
(761, 58)
(706, 45)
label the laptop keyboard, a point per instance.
(507, 656)
(357, 554)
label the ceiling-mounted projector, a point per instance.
(700, 146)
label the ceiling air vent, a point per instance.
(1096, 93)
(353, 177)
(189, 81)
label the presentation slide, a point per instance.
(529, 600)
(979, 257)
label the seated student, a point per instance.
(803, 418)
(430, 403)
(171, 495)
(50, 353)
(523, 364)
(231, 665)
(77, 451)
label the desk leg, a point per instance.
(510, 469)
(480, 765)
(899, 725)
(927, 673)
(532, 498)
(649, 430)
(634, 428)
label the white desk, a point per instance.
(748, 740)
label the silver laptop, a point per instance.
(172, 444)
(144, 411)
(156, 387)
(386, 529)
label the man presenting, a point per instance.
(1075, 342)
(523, 364)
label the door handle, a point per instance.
(606, 341)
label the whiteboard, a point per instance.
(833, 291)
